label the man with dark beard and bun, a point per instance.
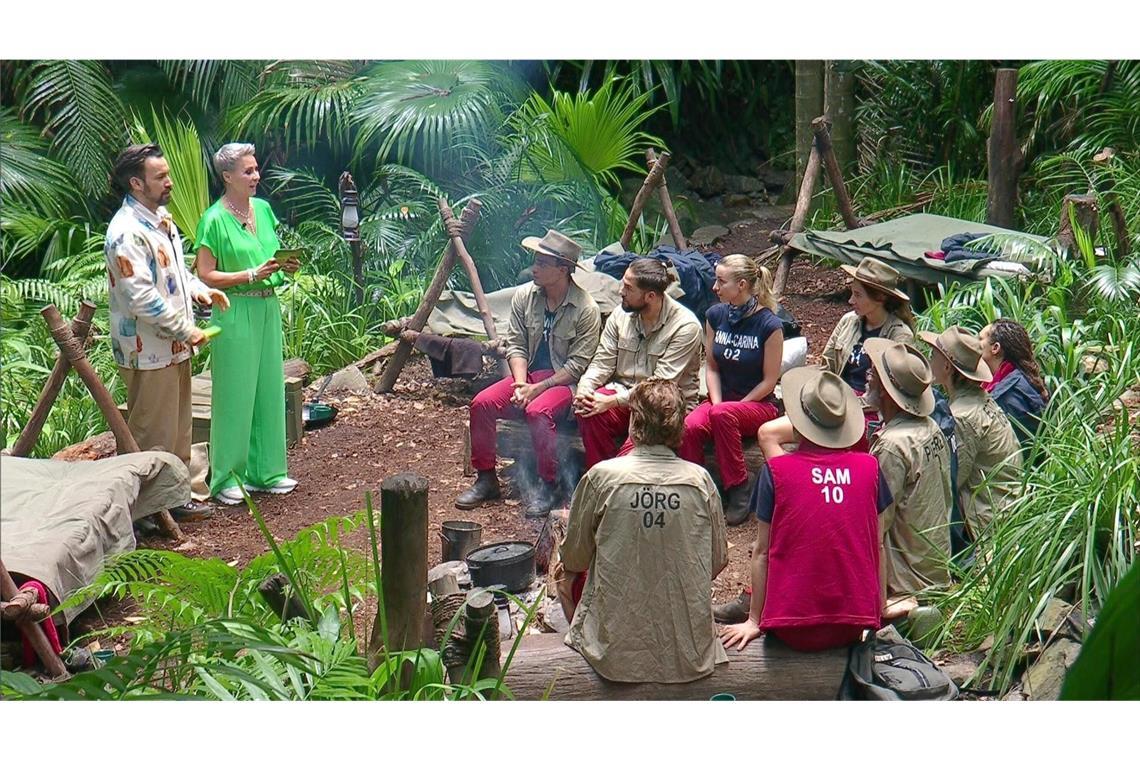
(652, 336)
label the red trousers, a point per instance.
(601, 433)
(494, 402)
(726, 423)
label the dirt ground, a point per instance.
(420, 428)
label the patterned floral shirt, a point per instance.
(150, 288)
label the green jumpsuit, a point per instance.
(247, 425)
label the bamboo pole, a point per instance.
(821, 126)
(35, 634)
(666, 200)
(403, 351)
(651, 180)
(803, 204)
(80, 327)
(72, 349)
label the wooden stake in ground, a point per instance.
(803, 204)
(72, 349)
(666, 200)
(404, 567)
(655, 175)
(821, 127)
(403, 351)
(32, 630)
(1115, 213)
(1086, 212)
(1004, 154)
(80, 327)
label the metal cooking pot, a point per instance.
(508, 563)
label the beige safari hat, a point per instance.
(822, 407)
(904, 373)
(878, 275)
(962, 349)
(555, 244)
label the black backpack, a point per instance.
(887, 667)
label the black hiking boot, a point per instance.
(737, 504)
(735, 611)
(548, 497)
(485, 488)
(191, 511)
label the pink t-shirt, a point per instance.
(823, 553)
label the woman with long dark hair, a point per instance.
(1017, 386)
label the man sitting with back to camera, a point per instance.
(816, 560)
(652, 336)
(649, 529)
(914, 458)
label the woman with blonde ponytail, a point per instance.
(744, 347)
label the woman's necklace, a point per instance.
(246, 217)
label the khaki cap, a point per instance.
(962, 349)
(822, 407)
(904, 374)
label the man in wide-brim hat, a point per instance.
(818, 509)
(989, 457)
(914, 457)
(552, 336)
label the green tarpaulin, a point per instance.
(903, 244)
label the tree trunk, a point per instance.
(809, 104)
(1083, 209)
(1004, 154)
(839, 105)
(766, 669)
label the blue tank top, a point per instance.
(739, 348)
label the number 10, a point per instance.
(832, 495)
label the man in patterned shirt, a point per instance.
(152, 321)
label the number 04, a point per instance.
(832, 495)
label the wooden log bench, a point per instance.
(543, 666)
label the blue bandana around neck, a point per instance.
(737, 314)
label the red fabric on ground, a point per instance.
(48, 625)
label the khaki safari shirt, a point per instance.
(914, 458)
(649, 529)
(626, 355)
(846, 334)
(573, 338)
(989, 458)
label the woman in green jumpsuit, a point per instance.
(236, 240)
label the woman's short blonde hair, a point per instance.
(657, 413)
(227, 156)
(759, 279)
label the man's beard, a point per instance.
(632, 309)
(872, 397)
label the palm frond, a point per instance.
(307, 112)
(82, 114)
(28, 176)
(215, 83)
(189, 173)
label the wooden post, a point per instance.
(403, 351)
(404, 567)
(655, 175)
(809, 78)
(666, 200)
(821, 126)
(765, 669)
(839, 105)
(1004, 155)
(803, 204)
(35, 634)
(480, 621)
(1086, 211)
(80, 327)
(72, 349)
(1115, 213)
(473, 275)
